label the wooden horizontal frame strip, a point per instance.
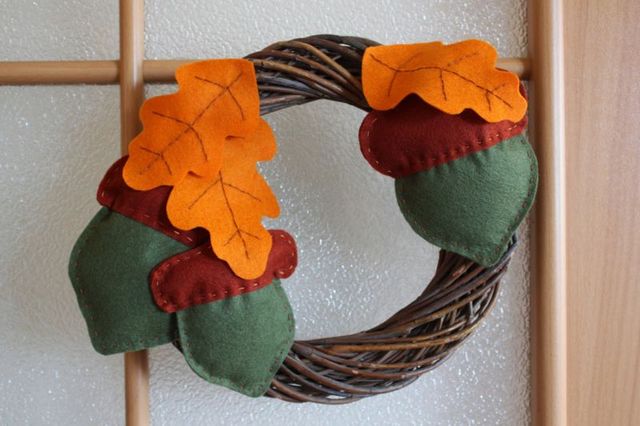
(15, 73)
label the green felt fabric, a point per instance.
(472, 206)
(109, 270)
(239, 342)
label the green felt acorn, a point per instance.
(179, 252)
(473, 205)
(109, 269)
(446, 124)
(462, 183)
(238, 342)
(141, 283)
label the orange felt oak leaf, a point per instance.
(231, 203)
(186, 131)
(448, 77)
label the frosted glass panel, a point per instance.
(58, 29)
(359, 261)
(56, 142)
(205, 28)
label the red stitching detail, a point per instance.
(444, 155)
(162, 271)
(133, 213)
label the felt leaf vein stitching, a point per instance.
(190, 126)
(226, 89)
(441, 73)
(449, 77)
(239, 232)
(231, 203)
(186, 131)
(210, 134)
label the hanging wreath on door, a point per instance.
(178, 253)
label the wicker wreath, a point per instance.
(392, 355)
(168, 256)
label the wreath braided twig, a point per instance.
(422, 335)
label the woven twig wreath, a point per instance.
(421, 335)
(223, 307)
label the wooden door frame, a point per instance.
(549, 264)
(548, 285)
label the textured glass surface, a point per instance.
(55, 143)
(359, 261)
(40, 30)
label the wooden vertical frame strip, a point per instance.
(131, 68)
(136, 364)
(548, 308)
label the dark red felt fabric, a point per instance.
(414, 136)
(197, 276)
(146, 207)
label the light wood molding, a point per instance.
(603, 207)
(154, 71)
(136, 364)
(548, 287)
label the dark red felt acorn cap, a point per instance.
(146, 207)
(197, 276)
(414, 136)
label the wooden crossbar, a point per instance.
(153, 71)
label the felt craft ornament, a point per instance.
(204, 141)
(451, 78)
(178, 253)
